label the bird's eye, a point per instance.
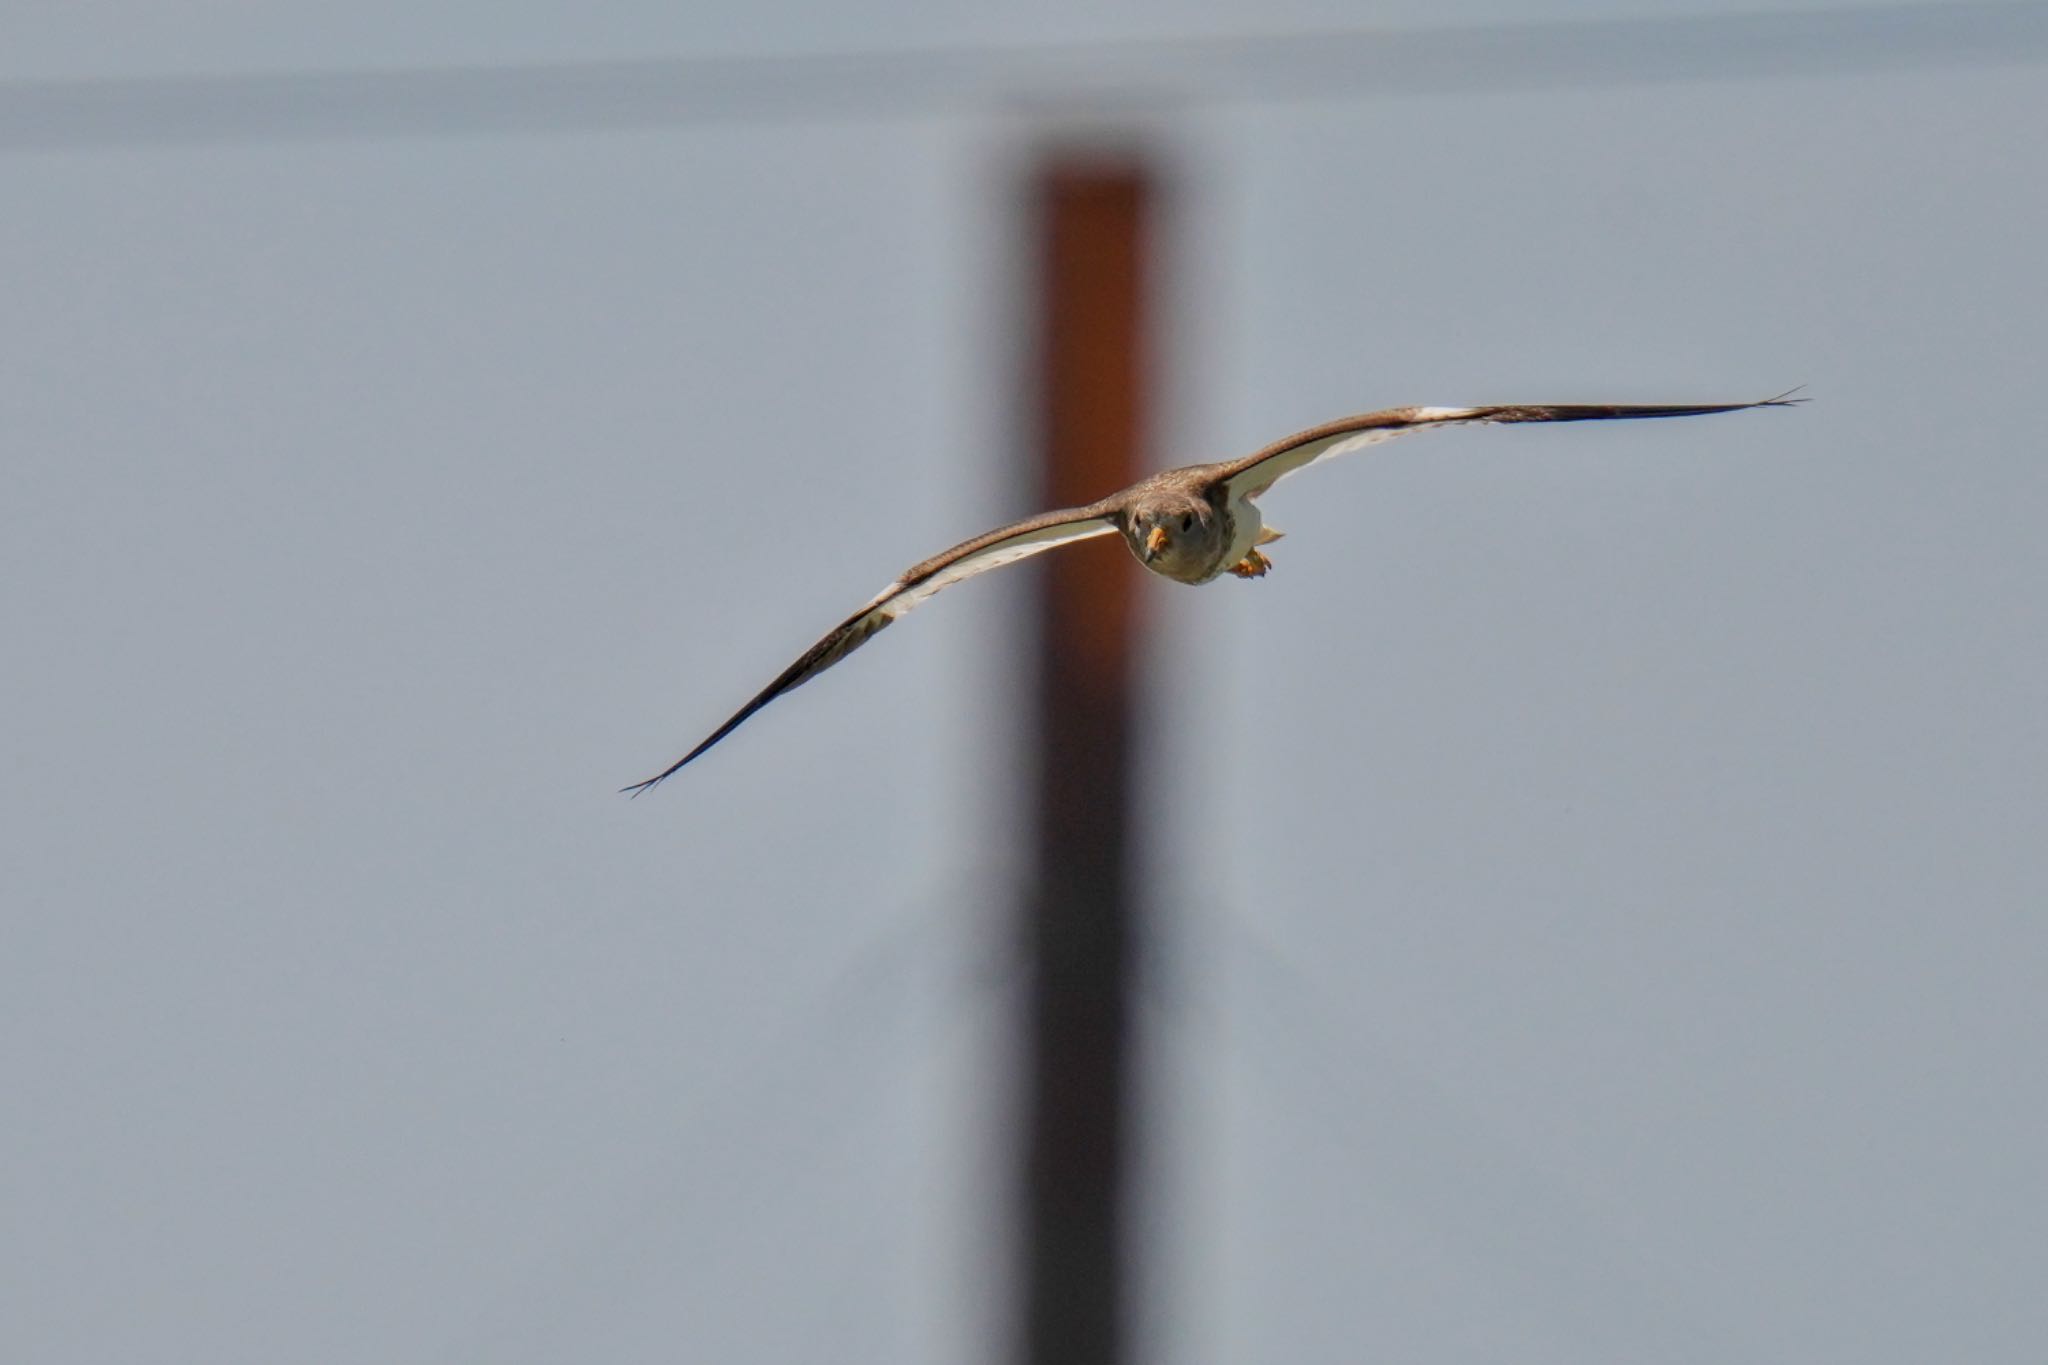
(1187, 523)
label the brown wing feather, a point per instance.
(1260, 470)
(1004, 545)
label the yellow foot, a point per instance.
(1253, 565)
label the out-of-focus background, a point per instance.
(1599, 875)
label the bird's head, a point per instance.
(1173, 533)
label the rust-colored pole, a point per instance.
(1093, 216)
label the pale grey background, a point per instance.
(1601, 869)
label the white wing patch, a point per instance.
(1269, 471)
(1250, 477)
(897, 599)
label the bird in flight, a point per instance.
(1192, 525)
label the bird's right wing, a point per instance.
(1004, 545)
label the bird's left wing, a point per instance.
(1004, 545)
(1254, 474)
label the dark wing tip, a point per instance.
(850, 635)
(775, 689)
(649, 784)
(780, 686)
(1582, 412)
(646, 784)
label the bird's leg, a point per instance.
(1253, 565)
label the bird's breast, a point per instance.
(1240, 524)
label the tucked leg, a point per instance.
(1253, 565)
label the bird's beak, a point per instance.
(1155, 542)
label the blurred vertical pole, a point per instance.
(1092, 217)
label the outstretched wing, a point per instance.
(1254, 474)
(1004, 545)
